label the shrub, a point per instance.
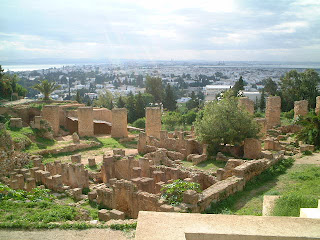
(289, 115)
(172, 119)
(310, 133)
(189, 117)
(173, 192)
(223, 122)
(139, 123)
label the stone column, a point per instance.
(119, 123)
(142, 142)
(246, 104)
(51, 114)
(153, 121)
(273, 111)
(318, 105)
(85, 121)
(300, 108)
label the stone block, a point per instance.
(75, 138)
(273, 111)
(85, 121)
(104, 215)
(300, 108)
(92, 195)
(246, 104)
(92, 162)
(190, 197)
(116, 214)
(51, 114)
(76, 158)
(252, 148)
(120, 152)
(30, 184)
(153, 122)
(119, 123)
(16, 122)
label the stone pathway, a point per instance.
(90, 234)
(312, 159)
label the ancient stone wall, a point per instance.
(102, 114)
(64, 109)
(153, 121)
(85, 121)
(273, 111)
(300, 108)
(51, 114)
(119, 123)
(246, 104)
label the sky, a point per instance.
(213, 30)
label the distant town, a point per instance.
(89, 81)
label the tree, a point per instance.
(223, 122)
(139, 106)
(120, 103)
(154, 87)
(295, 86)
(78, 97)
(193, 102)
(262, 103)
(171, 120)
(270, 86)
(238, 86)
(310, 132)
(169, 101)
(105, 100)
(131, 107)
(46, 88)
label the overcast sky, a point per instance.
(218, 30)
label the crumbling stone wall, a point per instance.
(64, 109)
(85, 121)
(300, 108)
(252, 148)
(153, 122)
(273, 111)
(51, 114)
(102, 114)
(119, 123)
(246, 104)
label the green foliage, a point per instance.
(228, 205)
(270, 86)
(194, 102)
(169, 101)
(155, 88)
(223, 122)
(37, 105)
(262, 103)
(120, 102)
(104, 100)
(173, 192)
(289, 114)
(9, 85)
(189, 117)
(140, 123)
(310, 132)
(46, 88)
(307, 153)
(171, 120)
(4, 117)
(295, 86)
(259, 114)
(123, 227)
(238, 86)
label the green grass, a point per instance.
(302, 192)
(110, 143)
(20, 134)
(249, 201)
(209, 164)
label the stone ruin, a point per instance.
(300, 108)
(247, 104)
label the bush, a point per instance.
(189, 117)
(310, 132)
(172, 119)
(223, 122)
(289, 115)
(139, 123)
(173, 192)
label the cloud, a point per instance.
(143, 29)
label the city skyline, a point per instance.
(181, 30)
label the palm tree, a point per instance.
(46, 88)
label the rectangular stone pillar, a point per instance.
(51, 114)
(30, 184)
(119, 123)
(246, 104)
(85, 121)
(318, 105)
(153, 122)
(142, 142)
(252, 148)
(16, 122)
(273, 111)
(37, 122)
(300, 108)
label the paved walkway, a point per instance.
(90, 234)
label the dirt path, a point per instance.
(312, 159)
(90, 234)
